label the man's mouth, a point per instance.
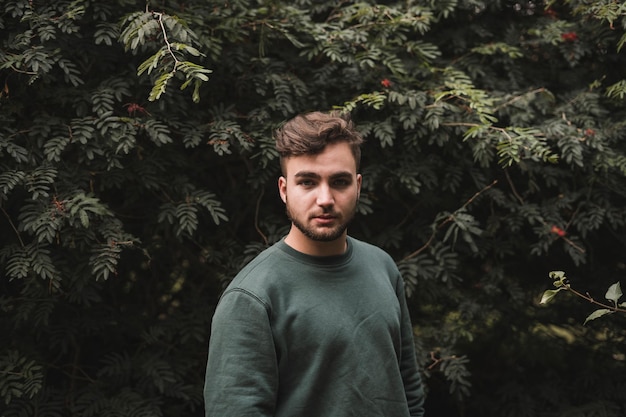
(325, 218)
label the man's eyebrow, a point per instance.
(342, 174)
(306, 174)
(311, 174)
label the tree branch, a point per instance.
(448, 220)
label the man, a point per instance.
(317, 325)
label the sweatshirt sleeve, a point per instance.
(411, 377)
(241, 374)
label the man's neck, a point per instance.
(308, 246)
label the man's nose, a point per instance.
(324, 195)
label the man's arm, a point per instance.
(241, 375)
(413, 386)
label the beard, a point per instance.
(325, 234)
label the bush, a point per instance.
(137, 175)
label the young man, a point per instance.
(317, 325)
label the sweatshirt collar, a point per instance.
(323, 261)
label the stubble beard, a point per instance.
(324, 235)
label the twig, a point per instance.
(159, 17)
(437, 361)
(593, 301)
(572, 244)
(508, 178)
(256, 217)
(516, 98)
(14, 68)
(17, 233)
(448, 220)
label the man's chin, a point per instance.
(325, 235)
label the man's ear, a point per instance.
(359, 181)
(282, 188)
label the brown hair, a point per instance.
(309, 133)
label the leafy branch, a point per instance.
(146, 26)
(448, 219)
(613, 294)
(456, 371)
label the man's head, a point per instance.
(309, 133)
(320, 184)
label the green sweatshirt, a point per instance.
(295, 335)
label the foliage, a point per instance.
(613, 294)
(137, 175)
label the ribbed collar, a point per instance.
(323, 261)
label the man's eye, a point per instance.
(341, 183)
(306, 183)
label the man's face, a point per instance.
(321, 192)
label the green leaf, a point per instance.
(614, 293)
(21, 376)
(160, 85)
(104, 259)
(151, 63)
(548, 295)
(598, 313)
(556, 275)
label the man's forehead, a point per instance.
(334, 158)
(300, 168)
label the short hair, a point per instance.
(309, 133)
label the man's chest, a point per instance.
(335, 319)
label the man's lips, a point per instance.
(325, 218)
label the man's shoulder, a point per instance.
(363, 248)
(261, 268)
(376, 259)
